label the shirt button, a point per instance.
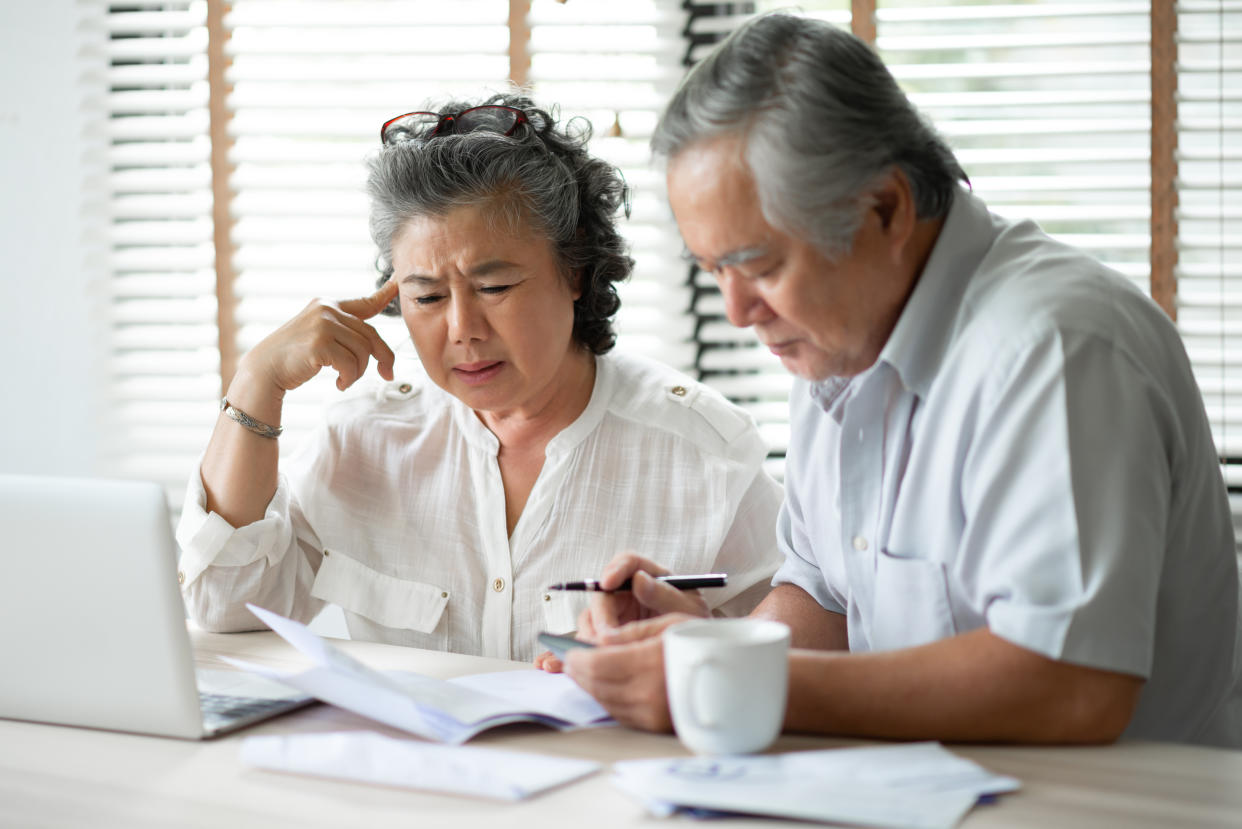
(404, 388)
(680, 391)
(547, 597)
(498, 585)
(860, 543)
(180, 577)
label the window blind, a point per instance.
(154, 177)
(1047, 105)
(1045, 102)
(1209, 215)
(616, 65)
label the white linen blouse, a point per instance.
(395, 511)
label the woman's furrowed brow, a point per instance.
(490, 266)
(482, 269)
(419, 279)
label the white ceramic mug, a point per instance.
(727, 682)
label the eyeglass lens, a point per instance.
(489, 118)
(428, 124)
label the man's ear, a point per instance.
(893, 203)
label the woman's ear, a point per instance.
(575, 285)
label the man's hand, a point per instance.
(646, 598)
(626, 673)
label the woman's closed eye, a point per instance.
(485, 290)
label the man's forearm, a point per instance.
(975, 687)
(811, 626)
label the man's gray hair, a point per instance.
(822, 120)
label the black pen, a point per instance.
(680, 582)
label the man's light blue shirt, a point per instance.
(1029, 453)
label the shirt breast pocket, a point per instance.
(911, 602)
(386, 600)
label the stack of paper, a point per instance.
(919, 785)
(450, 711)
(366, 757)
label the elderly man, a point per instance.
(1004, 518)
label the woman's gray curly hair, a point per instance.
(541, 177)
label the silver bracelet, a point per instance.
(258, 427)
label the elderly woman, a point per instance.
(437, 510)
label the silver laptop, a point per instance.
(92, 627)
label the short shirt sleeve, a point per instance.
(797, 569)
(1065, 489)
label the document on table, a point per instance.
(449, 711)
(367, 757)
(918, 785)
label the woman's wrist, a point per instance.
(260, 399)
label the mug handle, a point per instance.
(710, 719)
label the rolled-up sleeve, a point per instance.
(223, 567)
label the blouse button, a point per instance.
(498, 585)
(404, 388)
(860, 543)
(180, 577)
(680, 391)
(547, 597)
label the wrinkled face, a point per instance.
(822, 317)
(490, 312)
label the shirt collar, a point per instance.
(925, 327)
(481, 437)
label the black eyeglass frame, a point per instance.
(447, 124)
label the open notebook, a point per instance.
(92, 628)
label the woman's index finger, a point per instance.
(368, 306)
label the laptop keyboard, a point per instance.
(218, 708)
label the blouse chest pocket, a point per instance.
(384, 599)
(911, 603)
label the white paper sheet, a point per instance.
(919, 785)
(450, 711)
(367, 757)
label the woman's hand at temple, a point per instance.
(324, 334)
(239, 467)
